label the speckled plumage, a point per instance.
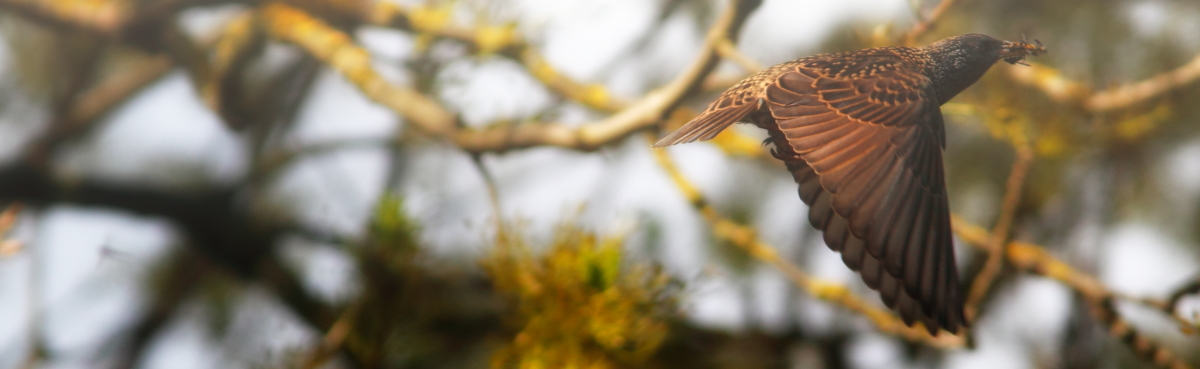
(862, 134)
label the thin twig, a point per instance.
(1169, 306)
(101, 99)
(336, 49)
(999, 236)
(229, 53)
(501, 40)
(493, 192)
(8, 218)
(1189, 288)
(333, 339)
(927, 24)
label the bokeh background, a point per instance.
(462, 184)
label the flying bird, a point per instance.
(862, 134)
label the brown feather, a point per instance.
(863, 135)
(878, 162)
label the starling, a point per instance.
(862, 134)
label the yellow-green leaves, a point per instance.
(578, 305)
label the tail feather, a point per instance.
(707, 125)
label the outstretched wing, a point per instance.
(866, 135)
(733, 105)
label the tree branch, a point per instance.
(1035, 259)
(1063, 90)
(1130, 94)
(102, 17)
(101, 99)
(336, 49)
(7, 219)
(999, 236)
(502, 40)
(926, 24)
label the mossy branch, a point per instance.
(1035, 259)
(1066, 91)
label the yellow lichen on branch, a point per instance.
(106, 17)
(1130, 94)
(1050, 81)
(504, 40)
(1033, 258)
(1066, 91)
(335, 48)
(1036, 259)
(591, 95)
(338, 50)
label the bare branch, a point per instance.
(995, 245)
(101, 99)
(928, 23)
(229, 53)
(334, 338)
(1172, 302)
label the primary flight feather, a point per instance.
(862, 134)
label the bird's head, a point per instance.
(978, 48)
(957, 62)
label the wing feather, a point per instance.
(862, 138)
(868, 162)
(708, 124)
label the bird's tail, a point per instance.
(720, 114)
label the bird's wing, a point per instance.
(870, 135)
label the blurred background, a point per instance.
(470, 183)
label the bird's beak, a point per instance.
(1014, 52)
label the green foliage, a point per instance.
(392, 229)
(578, 305)
(415, 311)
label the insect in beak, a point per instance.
(1014, 52)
